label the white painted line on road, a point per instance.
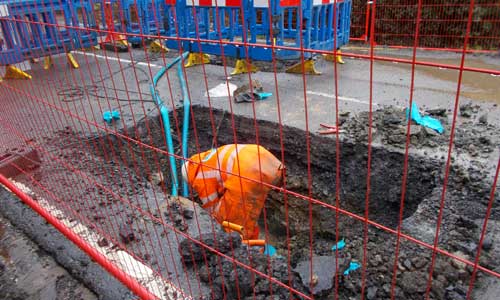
(140, 63)
(222, 90)
(127, 263)
(340, 97)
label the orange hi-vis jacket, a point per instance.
(226, 195)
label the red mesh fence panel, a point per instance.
(443, 24)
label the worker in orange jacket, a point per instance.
(228, 182)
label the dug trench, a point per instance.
(292, 224)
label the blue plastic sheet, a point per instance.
(426, 121)
(352, 267)
(339, 246)
(262, 96)
(269, 250)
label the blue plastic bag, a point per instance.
(109, 116)
(426, 121)
(262, 96)
(352, 267)
(269, 250)
(339, 246)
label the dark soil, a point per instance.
(141, 175)
(467, 196)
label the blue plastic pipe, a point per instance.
(185, 125)
(166, 120)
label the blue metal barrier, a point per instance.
(211, 20)
(82, 16)
(33, 29)
(317, 27)
(263, 22)
(145, 15)
(135, 17)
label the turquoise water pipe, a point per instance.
(166, 119)
(185, 124)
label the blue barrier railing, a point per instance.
(263, 22)
(138, 18)
(32, 29)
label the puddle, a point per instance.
(480, 86)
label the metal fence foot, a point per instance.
(308, 68)
(158, 47)
(242, 67)
(72, 61)
(12, 72)
(195, 59)
(47, 62)
(331, 57)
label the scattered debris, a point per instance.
(466, 110)
(126, 233)
(439, 112)
(188, 213)
(323, 268)
(371, 292)
(156, 178)
(458, 264)
(245, 93)
(193, 252)
(330, 129)
(483, 119)
(103, 242)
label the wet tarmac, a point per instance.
(29, 273)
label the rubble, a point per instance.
(323, 270)
(467, 195)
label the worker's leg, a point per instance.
(242, 205)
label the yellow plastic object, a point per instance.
(252, 243)
(309, 68)
(195, 59)
(72, 61)
(158, 47)
(339, 57)
(121, 40)
(331, 57)
(12, 72)
(232, 226)
(47, 62)
(242, 67)
(117, 40)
